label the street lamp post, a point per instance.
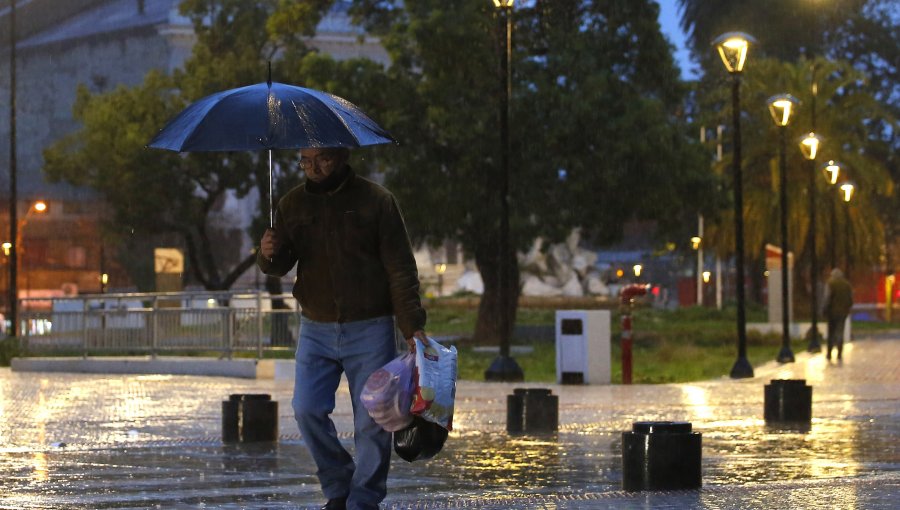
(782, 108)
(809, 146)
(39, 207)
(847, 191)
(832, 171)
(440, 268)
(733, 47)
(504, 367)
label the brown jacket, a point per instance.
(353, 253)
(838, 297)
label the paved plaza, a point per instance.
(153, 441)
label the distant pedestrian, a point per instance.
(356, 279)
(838, 301)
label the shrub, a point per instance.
(9, 349)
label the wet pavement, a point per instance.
(101, 441)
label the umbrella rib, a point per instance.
(336, 114)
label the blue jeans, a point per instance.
(324, 351)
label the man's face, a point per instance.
(318, 164)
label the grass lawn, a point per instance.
(682, 345)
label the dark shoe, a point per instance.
(336, 504)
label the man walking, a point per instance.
(838, 301)
(356, 277)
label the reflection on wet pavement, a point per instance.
(94, 441)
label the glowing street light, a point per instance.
(504, 367)
(440, 269)
(809, 146)
(782, 108)
(733, 48)
(847, 190)
(39, 207)
(832, 171)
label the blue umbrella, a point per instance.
(269, 116)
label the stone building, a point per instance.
(102, 44)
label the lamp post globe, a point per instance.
(782, 108)
(847, 191)
(733, 48)
(810, 145)
(832, 171)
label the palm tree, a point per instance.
(845, 109)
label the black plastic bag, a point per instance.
(421, 440)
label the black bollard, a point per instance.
(532, 411)
(661, 455)
(788, 401)
(248, 418)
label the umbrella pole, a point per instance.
(271, 209)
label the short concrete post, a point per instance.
(248, 418)
(661, 455)
(532, 411)
(788, 401)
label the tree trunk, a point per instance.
(488, 325)
(281, 331)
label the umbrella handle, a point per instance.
(271, 209)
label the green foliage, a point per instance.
(9, 349)
(595, 96)
(585, 99)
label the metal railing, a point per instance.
(157, 323)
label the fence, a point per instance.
(155, 323)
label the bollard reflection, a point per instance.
(250, 457)
(41, 469)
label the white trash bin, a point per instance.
(583, 347)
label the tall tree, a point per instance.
(594, 124)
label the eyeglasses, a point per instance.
(321, 160)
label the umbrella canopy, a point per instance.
(269, 116)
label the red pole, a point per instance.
(628, 294)
(626, 345)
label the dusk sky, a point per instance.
(668, 18)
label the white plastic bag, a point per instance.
(387, 395)
(435, 390)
